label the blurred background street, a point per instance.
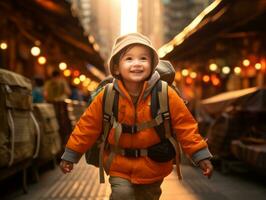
(218, 51)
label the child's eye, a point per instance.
(128, 58)
(143, 58)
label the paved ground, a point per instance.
(83, 184)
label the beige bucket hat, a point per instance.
(129, 39)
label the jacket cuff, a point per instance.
(201, 155)
(71, 156)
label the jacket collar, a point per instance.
(147, 87)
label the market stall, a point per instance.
(237, 126)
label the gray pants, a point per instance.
(123, 189)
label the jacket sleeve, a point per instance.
(86, 131)
(186, 129)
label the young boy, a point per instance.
(132, 63)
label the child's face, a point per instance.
(135, 64)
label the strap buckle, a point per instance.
(134, 153)
(166, 115)
(133, 129)
(129, 128)
(106, 117)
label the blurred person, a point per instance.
(135, 176)
(56, 88)
(76, 93)
(37, 90)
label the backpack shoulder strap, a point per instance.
(164, 109)
(108, 99)
(156, 107)
(108, 118)
(160, 106)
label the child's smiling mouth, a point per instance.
(136, 71)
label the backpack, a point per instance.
(19, 130)
(50, 144)
(166, 150)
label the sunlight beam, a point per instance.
(129, 15)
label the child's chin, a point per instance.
(138, 79)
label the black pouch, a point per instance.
(162, 152)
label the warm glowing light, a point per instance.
(161, 53)
(189, 80)
(216, 82)
(3, 45)
(96, 72)
(76, 81)
(129, 16)
(86, 82)
(82, 77)
(193, 75)
(91, 39)
(206, 78)
(67, 72)
(213, 67)
(76, 73)
(169, 48)
(92, 86)
(184, 72)
(42, 60)
(178, 76)
(62, 65)
(96, 47)
(226, 70)
(246, 62)
(237, 70)
(35, 51)
(258, 66)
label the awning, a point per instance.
(216, 21)
(251, 99)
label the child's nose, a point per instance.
(136, 62)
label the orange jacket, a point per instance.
(141, 170)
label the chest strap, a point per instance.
(132, 153)
(141, 126)
(131, 129)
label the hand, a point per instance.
(66, 166)
(206, 167)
